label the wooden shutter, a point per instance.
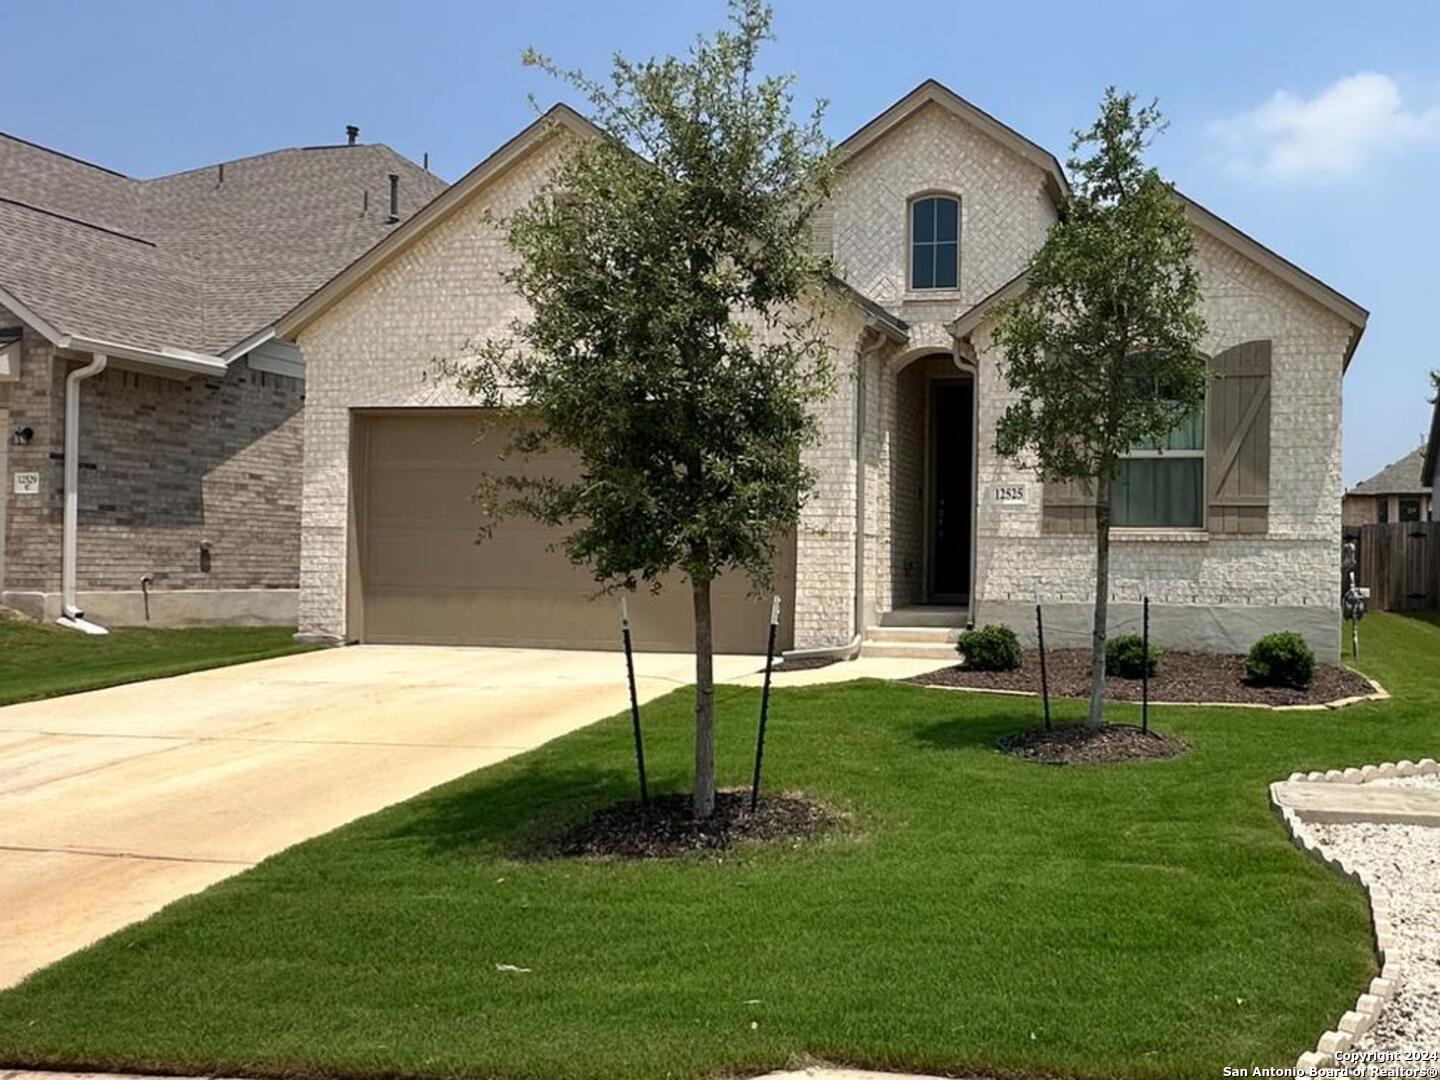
(1237, 440)
(1068, 508)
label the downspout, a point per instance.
(851, 649)
(876, 343)
(70, 614)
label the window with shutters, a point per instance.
(935, 242)
(1161, 484)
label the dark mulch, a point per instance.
(1182, 676)
(665, 828)
(1079, 744)
(808, 663)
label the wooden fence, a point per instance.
(1400, 563)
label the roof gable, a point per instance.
(193, 262)
(558, 118)
(934, 92)
(1401, 477)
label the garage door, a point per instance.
(420, 577)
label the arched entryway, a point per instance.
(932, 509)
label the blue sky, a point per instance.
(1313, 126)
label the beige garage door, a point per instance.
(418, 575)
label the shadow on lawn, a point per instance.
(510, 812)
(961, 732)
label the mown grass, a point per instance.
(40, 661)
(981, 915)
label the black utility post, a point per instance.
(634, 701)
(1145, 664)
(1044, 676)
(765, 702)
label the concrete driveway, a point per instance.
(115, 802)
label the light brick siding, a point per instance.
(1004, 213)
(377, 347)
(164, 464)
(1296, 564)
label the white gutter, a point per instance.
(167, 356)
(70, 614)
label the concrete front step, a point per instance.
(915, 635)
(926, 615)
(910, 650)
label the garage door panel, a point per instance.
(424, 578)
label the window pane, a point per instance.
(1189, 434)
(922, 228)
(1382, 511)
(946, 269)
(1159, 493)
(1409, 509)
(947, 219)
(922, 267)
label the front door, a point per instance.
(951, 467)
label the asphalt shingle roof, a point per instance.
(1398, 478)
(197, 260)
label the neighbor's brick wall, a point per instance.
(1296, 564)
(32, 522)
(1362, 509)
(164, 464)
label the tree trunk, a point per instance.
(704, 703)
(1102, 599)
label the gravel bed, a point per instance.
(1405, 860)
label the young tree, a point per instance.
(673, 343)
(1102, 346)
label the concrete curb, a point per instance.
(1379, 694)
(1369, 1005)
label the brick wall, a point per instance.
(1295, 565)
(164, 464)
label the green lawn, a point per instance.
(39, 660)
(983, 913)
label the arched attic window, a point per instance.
(935, 242)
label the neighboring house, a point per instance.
(187, 472)
(1398, 492)
(917, 525)
(1431, 465)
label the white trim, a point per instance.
(277, 358)
(254, 341)
(166, 356)
(27, 315)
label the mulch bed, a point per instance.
(1182, 677)
(1080, 744)
(665, 829)
(808, 663)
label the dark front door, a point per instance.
(951, 468)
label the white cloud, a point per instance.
(1338, 133)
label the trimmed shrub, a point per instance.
(1126, 658)
(991, 648)
(1281, 659)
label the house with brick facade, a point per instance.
(152, 425)
(917, 526)
(1398, 492)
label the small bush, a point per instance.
(991, 648)
(1125, 657)
(1281, 659)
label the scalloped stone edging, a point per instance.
(1379, 694)
(1369, 1005)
